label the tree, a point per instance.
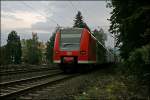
(130, 23)
(49, 49)
(13, 48)
(78, 22)
(4, 55)
(24, 50)
(101, 37)
(32, 53)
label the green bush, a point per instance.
(138, 64)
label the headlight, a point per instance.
(56, 52)
(83, 52)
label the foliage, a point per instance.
(13, 48)
(4, 57)
(100, 35)
(136, 71)
(24, 50)
(139, 63)
(105, 86)
(78, 22)
(32, 53)
(42, 49)
(114, 90)
(100, 51)
(49, 49)
(130, 22)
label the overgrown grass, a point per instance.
(114, 84)
(104, 87)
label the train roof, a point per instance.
(69, 29)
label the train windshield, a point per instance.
(70, 39)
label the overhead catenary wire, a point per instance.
(91, 34)
(75, 9)
(62, 17)
(100, 42)
(106, 34)
(40, 13)
(84, 10)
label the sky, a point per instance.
(43, 17)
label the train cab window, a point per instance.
(70, 39)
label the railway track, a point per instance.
(10, 77)
(5, 72)
(13, 89)
(20, 76)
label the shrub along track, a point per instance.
(12, 90)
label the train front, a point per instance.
(67, 45)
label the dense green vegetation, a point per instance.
(16, 51)
(13, 48)
(100, 35)
(49, 49)
(130, 23)
(138, 65)
(100, 51)
(11, 53)
(4, 57)
(32, 53)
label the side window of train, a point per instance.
(60, 38)
(93, 45)
(90, 42)
(90, 38)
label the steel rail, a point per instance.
(27, 79)
(51, 81)
(25, 71)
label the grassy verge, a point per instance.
(113, 84)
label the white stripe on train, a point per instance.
(80, 62)
(56, 61)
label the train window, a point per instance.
(70, 39)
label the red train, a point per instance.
(76, 46)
